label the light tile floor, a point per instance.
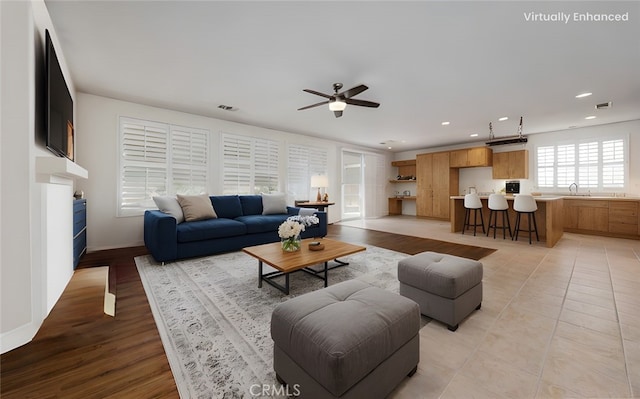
(555, 322)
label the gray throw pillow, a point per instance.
(170, 205)
(196, 207)
(275, 203)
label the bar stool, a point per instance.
(472, 202)
(498, 204)
(525, 204)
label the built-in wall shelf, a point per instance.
(58, 170)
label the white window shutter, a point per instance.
(266, 169)
(613, 173)
(189, 155)
(236, 159)
(546, 166)
(159, 159)
(594, 164)
(588, 165)
(143, 167)
(302, 163)
(566, 165)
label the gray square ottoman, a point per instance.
(447, 288)
(350, 340)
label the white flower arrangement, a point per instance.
(294, 225)
(289, 231)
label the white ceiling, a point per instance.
(425, 62)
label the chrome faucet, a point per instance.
(571, 192)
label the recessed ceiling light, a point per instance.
(582, 95)
(474, 135)
(590, 117)
(445, 123)
(504, 118)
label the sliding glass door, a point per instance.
(363, 185)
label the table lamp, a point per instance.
(319, 181)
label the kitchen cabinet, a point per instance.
(511, 165)
(615, 218)
(436, 182)
(623, 217)
(586, 215)
(471, 157)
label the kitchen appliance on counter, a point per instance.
(512, 187)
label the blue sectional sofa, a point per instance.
(240, 223)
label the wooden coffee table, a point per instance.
(286, 263)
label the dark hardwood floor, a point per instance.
(80, 352)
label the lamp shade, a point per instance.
(337, 105)
(318, 181)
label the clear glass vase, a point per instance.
(291, 244)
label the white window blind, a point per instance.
(302, 163)
(546, 167)
(266, 173)
(159, 159)
(613, 163)
(595, 164)
(250, 165)
(566, 165)
(588, 165)
(189, 155)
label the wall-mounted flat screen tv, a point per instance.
(59, 107)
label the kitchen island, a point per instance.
(549, 217)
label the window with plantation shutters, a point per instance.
(546, 167)
(159, 159)
(302, 163)
(250, 165)
(593, 164)
(613, 163)
(189, 154)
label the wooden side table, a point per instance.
(321, 205)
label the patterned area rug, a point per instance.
(215, 322)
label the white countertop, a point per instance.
(549, 197)
(510, 198)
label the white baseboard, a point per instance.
(18, 337)
(106, 248)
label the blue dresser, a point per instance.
(79, 230)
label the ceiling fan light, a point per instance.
(337, 105)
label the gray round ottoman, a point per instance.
(349, 340)
(447, 288)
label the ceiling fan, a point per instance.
(339, 100)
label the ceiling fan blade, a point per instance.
(354, 91)
(313, 105)
(317, 93)
(362, 103)
(337, 113)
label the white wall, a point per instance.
(97, 150)
(36, 262)
(482, 179)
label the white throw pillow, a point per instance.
(196, 207)
(307, 211)
(275, 203)
(170, 205)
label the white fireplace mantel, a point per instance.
(58, 170)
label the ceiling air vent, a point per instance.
(603, 105)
